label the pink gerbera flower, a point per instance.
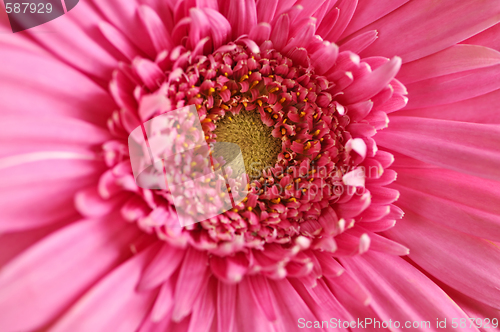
(328, 101)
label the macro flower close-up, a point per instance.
(369, 133)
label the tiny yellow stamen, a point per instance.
(274, 89)
(224, 88)
(308, 146)
(210, 91)
(206, 120)
(224, 106)
(276, 200)
(259, 102)
(244, 77)
(282, 100)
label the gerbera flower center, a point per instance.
(259, 148)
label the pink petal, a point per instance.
(44, 280)
(465, 147)
(204, 309)
(53, 97)
(360, 42)
(457, 259)
(489, 38)
(401, 292)
(192, 277)
(368, 11)
(32, 199)
(260, 33)
(371, 84)
(471, 200)
(324, 58)
(290, 305)
(261, 293)
(452, 60)
(226, 305)
(124, 17)
(461, 217)
(221, 29)
(161, 267)
(328, 23)
(454, 87)
(81, 48)
(243, 16)
(119, 41)
(279, 36)
(250, 317)
(347, 9)
(451, 22)
(481, 109)
(266, 10)
(158, 33)
(113, 303)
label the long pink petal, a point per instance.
(125, 18)
(250, 317)
(157, 31)
(369, 11)
(450, 22)
(266, 10)
(481, 109)
(467, 219)
(204, 309)
(489, 38)
(459, 260)
(226, 305)
(114, 303)
(192, 277)
(31, 199)
(161, 267)
(347, 9)
(399, 291)
(466, 147)
(44, 280)
(452, 60)
(243, 16)
(454, 87)
(56, 96)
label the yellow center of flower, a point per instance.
(259, 148)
